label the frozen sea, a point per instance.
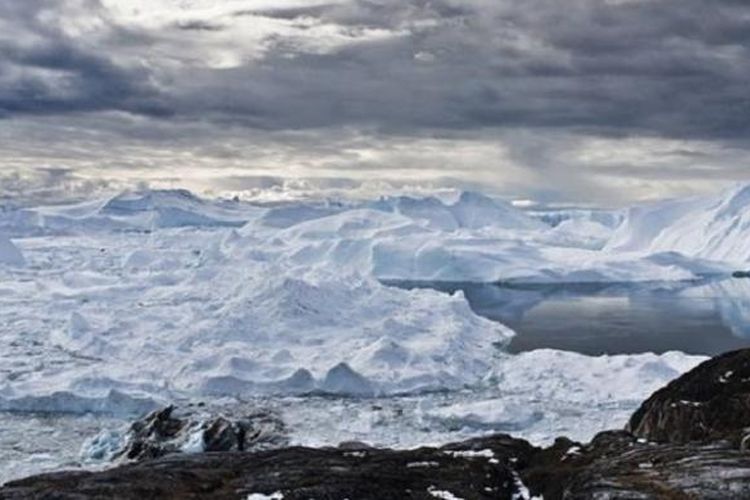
(594, 320)
(355, 321)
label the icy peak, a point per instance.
(470, 210)
(475, 210)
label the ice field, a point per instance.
(111, 307)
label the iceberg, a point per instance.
(143, 210)
(470, 211)
(714, 228)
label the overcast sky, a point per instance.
(591, 101)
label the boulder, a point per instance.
(168, 431)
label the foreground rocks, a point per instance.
(618, 465)
(709, 403)
(299, 473)
(687, 441)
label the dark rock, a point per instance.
(223, 435)
(617, 465)
(741, 274)
(354, 445)
(168, 431)
(709, 403)
(614, 465)
(148, 437)
(298, 473)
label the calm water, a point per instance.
(707, 317)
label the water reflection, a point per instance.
(700, 317)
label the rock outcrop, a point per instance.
(476, 469)
(617, 465)
(707, 404)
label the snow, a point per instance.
(442, 494)
(488, 454)
(260, 496)
(523, 492)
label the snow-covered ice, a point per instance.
(121, 304)
(710, 227)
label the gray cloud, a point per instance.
(48, 71)
(666, 67)
(534, 78)
(47, 186)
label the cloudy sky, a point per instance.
(591, 101)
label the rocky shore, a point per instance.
(688, 440)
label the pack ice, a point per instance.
(159, 295)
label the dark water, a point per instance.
(707, 317)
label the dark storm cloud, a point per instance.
(666, 68)
(319, 86)
(676, 68)
(43, 70)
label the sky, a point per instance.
(606, 102)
